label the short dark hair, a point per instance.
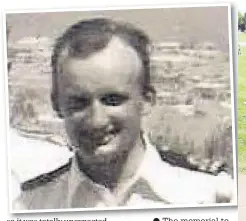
(89, 36)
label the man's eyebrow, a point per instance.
(101, 92)
(116, 92)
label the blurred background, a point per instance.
(241, 88)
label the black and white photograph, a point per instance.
(114, 109)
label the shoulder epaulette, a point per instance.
(181, 160)
(45, 178)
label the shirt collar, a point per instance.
(78, 178)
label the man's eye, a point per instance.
(113, 99)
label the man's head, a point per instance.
(101, 78)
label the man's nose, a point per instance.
(98, 116)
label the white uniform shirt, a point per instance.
(155, 184)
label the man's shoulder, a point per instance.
(192, 163)
(46, 191)
(178, 183)
(39, 171)
(31, 158)
(35, 164)
(46, 178)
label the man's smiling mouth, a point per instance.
(104, 140)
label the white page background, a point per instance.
(197, 214)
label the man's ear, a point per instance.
(149, 102)
(55, 104)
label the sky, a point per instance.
(241, 6)
(163, 24)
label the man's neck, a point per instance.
(112, 174)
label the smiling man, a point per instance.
(101, 88)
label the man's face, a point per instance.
(100, 98)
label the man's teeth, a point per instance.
(105, 139)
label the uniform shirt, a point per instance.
(154, 184)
